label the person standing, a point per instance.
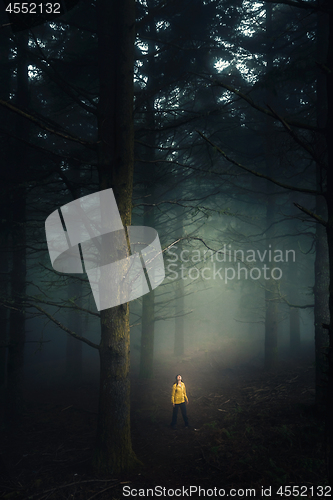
(179, 399)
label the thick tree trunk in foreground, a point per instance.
(113, 453)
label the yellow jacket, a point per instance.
(178, 394)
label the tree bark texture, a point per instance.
(116, 33)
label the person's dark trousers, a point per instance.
(182, 407)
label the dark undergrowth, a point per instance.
(249, 430)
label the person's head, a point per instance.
(178, 379)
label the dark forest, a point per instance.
(166, 209)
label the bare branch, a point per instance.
(54, 75)
(316, 217)
(41, 125)
(297, 139)
(299, 4)
(47, 151)
(296, 306)
(63, 327)
(62, 275)
(258, 174)
(266, 111)
(164, 318)
(72, 305)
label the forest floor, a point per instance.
(248, 430)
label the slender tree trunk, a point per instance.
(321, 285)
(15, 361)
(73, 373)
(179, 342)
(73, 368)
(271, 312)
(148, 315)
(294, 316)
(5, 85)
(329, 227)
(321, 310)
(179, 346)
(148, 300)
(295, 332)
(147, 336)
(116, 33)
(3, 312)
(271, 325)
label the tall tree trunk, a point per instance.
(147, 336)
(5, 85)
(294, 316)
(148, 313)
(321, 285)
(329, 228)
(116, 34)
(73, 369)
(179, 345)
(179, 341)
(148, 302)
(271, 309)
(3, 311)
(321, 309)
(15, 362)
(295, 332)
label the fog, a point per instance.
(166, 211)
